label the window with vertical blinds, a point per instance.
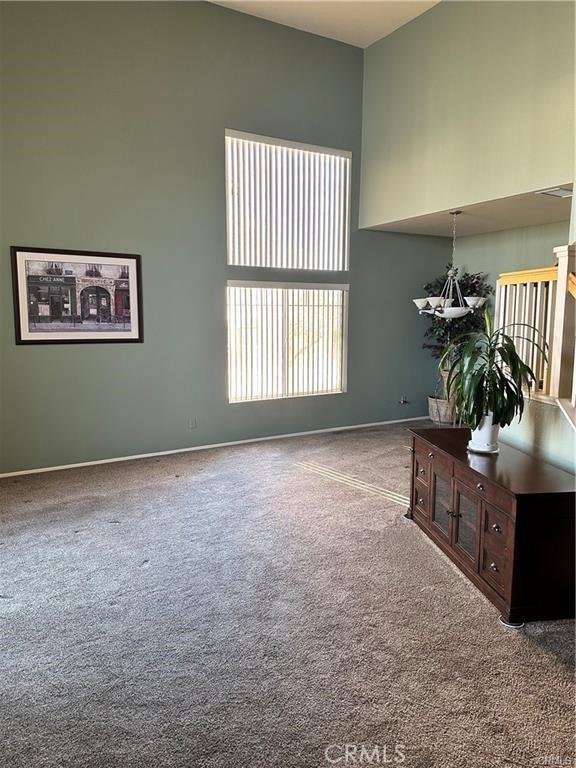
(285, 340)
(287, 204)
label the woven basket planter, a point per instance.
(441, 411)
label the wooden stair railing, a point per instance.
(564, 350)
(544, 298)
(529, 296)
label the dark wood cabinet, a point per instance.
(507, 521)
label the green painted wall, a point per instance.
(543, 429)
(114, 116)
(471, 101)
(511, 249)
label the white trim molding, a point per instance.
(288, 284)
(209, 447)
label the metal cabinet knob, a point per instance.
(480, 487)
(494, 567)
(421, 502)
(422, 472)
(430, 455)
(497, 528)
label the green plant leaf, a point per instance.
(487, 374)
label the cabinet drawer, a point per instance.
(484, 488)
(438, 461)
(421, 467)
(420, 501)
(494, 568)
(496, 529)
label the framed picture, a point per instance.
(74, 297)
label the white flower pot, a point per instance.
(485, 436)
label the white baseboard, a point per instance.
(206, 447)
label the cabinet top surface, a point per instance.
(511, 469)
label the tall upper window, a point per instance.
(287, 204)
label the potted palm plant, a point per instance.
(487, 378)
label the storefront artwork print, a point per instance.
(76, 296)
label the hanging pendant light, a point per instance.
(450, 305)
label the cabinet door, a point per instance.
(441, 501)
(467, 507)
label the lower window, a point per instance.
(286, 340)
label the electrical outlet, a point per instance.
(192, 423)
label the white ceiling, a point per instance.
(357, 22)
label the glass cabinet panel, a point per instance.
(467, 518)
(442, 503)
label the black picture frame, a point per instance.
(100, 309)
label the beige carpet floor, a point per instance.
(256, 606)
